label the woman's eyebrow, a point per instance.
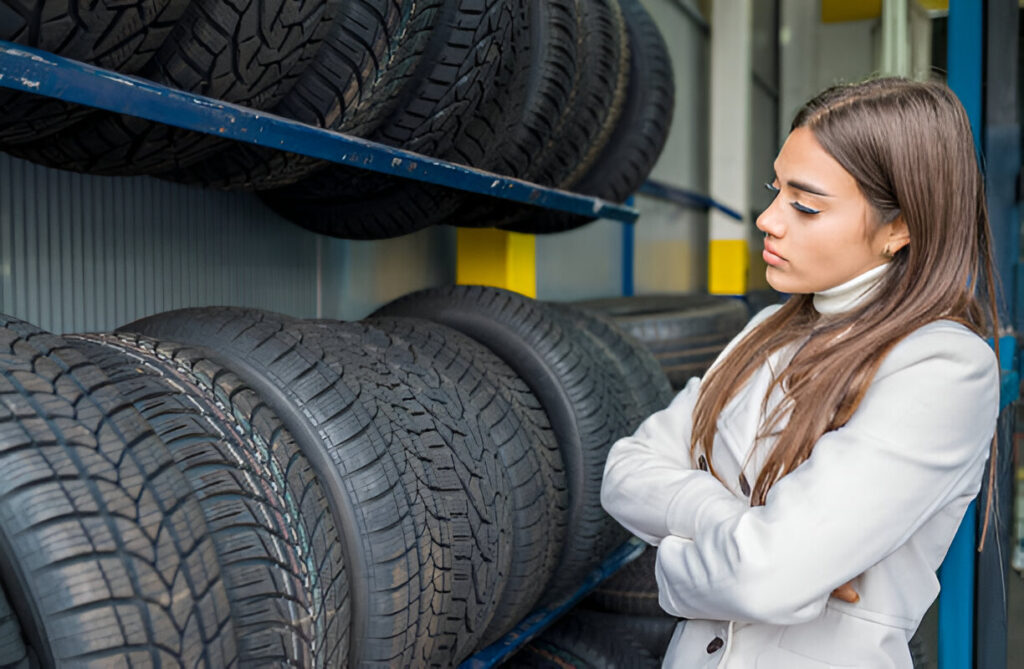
(799, 185)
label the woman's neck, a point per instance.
(849, 295)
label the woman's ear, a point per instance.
(898, 235)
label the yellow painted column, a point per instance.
(490, 257)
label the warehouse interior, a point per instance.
(91, 253)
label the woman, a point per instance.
(804, 492)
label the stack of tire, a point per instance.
(224, 486)
(621, 624)
(576, 94)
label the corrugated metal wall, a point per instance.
(83, 253)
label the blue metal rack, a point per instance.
(42, 73)
(34, 71)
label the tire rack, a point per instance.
(39, 72)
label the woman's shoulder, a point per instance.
(947, 343)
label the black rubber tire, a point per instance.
(467, 89)
(550, 86)
(384, 533)
(120, 36)
(644, 387)
(449, 421)
(269, 520)
(597, 97)
(919, 653)
(12, 645)
(644, 390)
(684, 332)
(631, 590)
(630, 152)
(248, 52)
(548, 89)
(588, 120)
(518, 430)
(589, 640)
(642, 128)
(350, 86)
(104, 552)
(568, 374)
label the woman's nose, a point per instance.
(768, 222)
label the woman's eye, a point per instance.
(770, 188)
(804, 208)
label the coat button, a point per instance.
(715, 645)
(702, 462)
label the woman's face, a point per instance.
(819, 230)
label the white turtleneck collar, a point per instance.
(848, 295)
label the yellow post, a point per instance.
(727, 266)
(490, 257)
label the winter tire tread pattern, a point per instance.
(104, 550)
(566, 374)
(266, 512)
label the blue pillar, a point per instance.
(956, 601)
(628, 249)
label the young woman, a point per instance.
(804, 492)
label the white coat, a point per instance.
(878, 501)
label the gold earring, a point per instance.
(887, 253)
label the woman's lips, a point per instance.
(771, 257)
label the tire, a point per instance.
(589, 640)
(639, 135)
(568, 375)
(596, 102)
(248, 52)
(518, 431)
(12, 645)
(919, 653)
(120, 36)
(467, 88)
(550, 86)
(684, 332)
(383, 533)
(350, 86)
(451, 417)
(548, 89)
(593, 112)
(644, 386)
(104, 552)
(268, 518)
(631, 590)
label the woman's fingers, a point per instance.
(846, 593)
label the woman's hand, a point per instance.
(846, 593)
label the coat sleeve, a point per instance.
(645, 470)
(917, 442)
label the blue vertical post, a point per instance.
(628, 246)
(956, 601)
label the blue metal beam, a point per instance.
(628, 253)
(34, 71)
(686, 198)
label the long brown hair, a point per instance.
(909, 147)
